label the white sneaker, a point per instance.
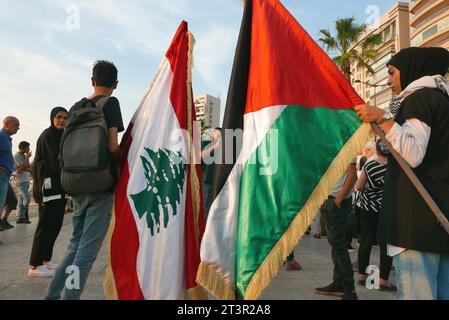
(40, 272)
(51, 266)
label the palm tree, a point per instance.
(348, 32)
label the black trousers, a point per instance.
(51, 217)
(368, 224)
(337, 237)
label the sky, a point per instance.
(48, 47)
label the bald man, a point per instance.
(10, 127)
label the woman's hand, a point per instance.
(369, 113)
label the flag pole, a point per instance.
(441, 218)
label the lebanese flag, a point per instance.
(300, 133)
(159, 220)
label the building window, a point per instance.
(430, 32)
(389, 32)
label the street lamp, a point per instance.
(375, 86)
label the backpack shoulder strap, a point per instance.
(102, 102)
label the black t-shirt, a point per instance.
(113, 116)
(406, 221)
(112, 113)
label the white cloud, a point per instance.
(212, 54)
(50, 65)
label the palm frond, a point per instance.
(328, 41)
(372, 41)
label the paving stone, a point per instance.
(313, 254)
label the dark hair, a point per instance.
(23, 145)
(105, 73)
(382, 148)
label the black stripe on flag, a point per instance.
(236, 100)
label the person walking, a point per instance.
(22, 177)
(48, 194)
(10, 127)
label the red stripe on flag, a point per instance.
(125, 239)
(177, 56)
(288, 67)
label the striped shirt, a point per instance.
(372, 194)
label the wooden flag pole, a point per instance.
(414, 179)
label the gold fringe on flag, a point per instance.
(110, 290)
(272, 263)
(209, 277)
(197, 293)
(196, 201)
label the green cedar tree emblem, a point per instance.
(164, 174)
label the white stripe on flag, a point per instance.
(218, 245)
(161, 258)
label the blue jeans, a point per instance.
(422, 275)
(91, 218)
(24, 199)
(4, 181)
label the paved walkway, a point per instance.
(313, 254)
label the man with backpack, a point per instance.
(90, 154)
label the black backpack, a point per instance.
(84, 150)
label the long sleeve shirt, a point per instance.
(411, 141)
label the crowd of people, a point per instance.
(91, 209)
(357, 217)
(391, 211)
(373, 202)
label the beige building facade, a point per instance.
(429, 23)
(394, 27)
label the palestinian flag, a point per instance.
(159, 220)
(300, 134)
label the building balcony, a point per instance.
(427, 10)
(434, 32)
(418, 5)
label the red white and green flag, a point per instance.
(300, 133)
(158, 222)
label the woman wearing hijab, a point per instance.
(49, 195)
(418, 128)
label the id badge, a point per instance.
(47, 183)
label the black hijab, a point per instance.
(54, 135)
(415, 63)
(46, 161)
(47, 149)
